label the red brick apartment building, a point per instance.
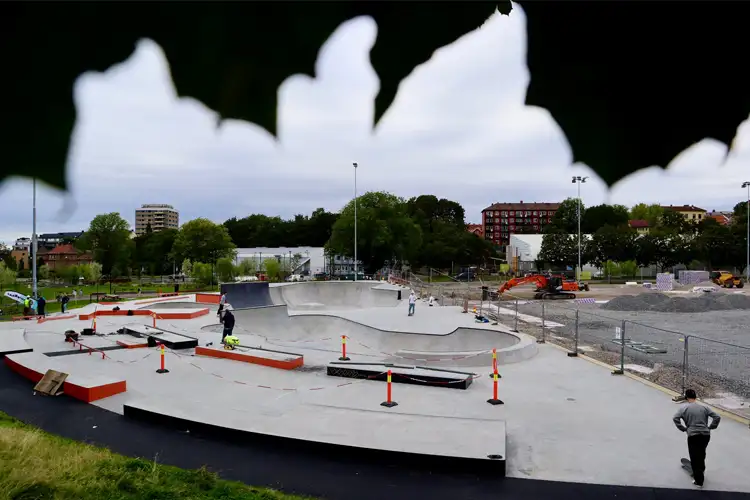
(500, 220)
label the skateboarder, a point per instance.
(228, 322)
(695, 417)
(41, 306)
(412, 303)
(222, 301)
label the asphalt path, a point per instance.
(287, 469)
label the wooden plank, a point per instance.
(51, 383)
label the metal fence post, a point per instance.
(686, 365)
(515, 327)
(542, 340)
(621, 370)
(575, 347)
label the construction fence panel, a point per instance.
(656, 354)
(717, 369)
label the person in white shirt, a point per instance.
(412, 303)
(222, 301)
(432, 300)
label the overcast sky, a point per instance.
(458, 129)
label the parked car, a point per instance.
(465, 276)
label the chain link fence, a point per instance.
(715, 369)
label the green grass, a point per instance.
(35, 465)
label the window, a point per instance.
(543, 212)
(512, 213)
(505, 213)
(535, 220)
(534, 213)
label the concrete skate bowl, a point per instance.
(324, 295)
(659, 302)
(321, 332)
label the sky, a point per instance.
(458, 129)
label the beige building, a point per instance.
(157, 216)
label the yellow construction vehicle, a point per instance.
(726, 279)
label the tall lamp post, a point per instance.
(34, 291)
(577, 179)
(746, 184)
(355, 220)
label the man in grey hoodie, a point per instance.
(695, 418)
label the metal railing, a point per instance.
(675, 360)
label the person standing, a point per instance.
(228, 322)
(692, 418)
(222, 301)
(64, 301)
(41, 306)
(412, 303)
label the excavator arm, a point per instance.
(540, 281)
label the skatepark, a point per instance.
(563, 419)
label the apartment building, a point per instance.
(501, 220)
(690, 212)
(157, 216)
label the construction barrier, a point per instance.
(388, 403)
(162, 369)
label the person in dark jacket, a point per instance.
(228, 322)
(692, 418)
(41, 305)
(64, 301)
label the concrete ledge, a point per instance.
(135, 343)
(13, 342)
(54, 318)
(386, 437)
(264, 357)
(33, 366)
(171, 340)
(207, 298)
(415, 375)
(161, 314)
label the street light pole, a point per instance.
(355, 220)
(34, 290)
(746, 184)
(577, 179)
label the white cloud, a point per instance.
(457, 129)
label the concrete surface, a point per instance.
(566, 418)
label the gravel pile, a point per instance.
(660, 302)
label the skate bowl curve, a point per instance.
(464, 346)
(324, 295)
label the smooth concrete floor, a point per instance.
(566, 418)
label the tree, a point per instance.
(559, 249)
(384, 231)
(674, 221)
(599, 216)
(225, 269)
(201, 273)
(246, 267)
(736, 251)
(201, 240)
(610, 243)
(646, 249)
(649, 213)
(7, 257)
(739, 213)
(259, 230)
(712, 243)
(186, 267)
(108, 237)
(95, 272)
(43, 272)
(7, 275)
(272, 268)
(566, 216)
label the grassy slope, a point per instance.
(35, 465)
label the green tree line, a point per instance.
(671, 239)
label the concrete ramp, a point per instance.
(242, 295)
(317, 295)
(463, 346)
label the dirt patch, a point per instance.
(659, 302)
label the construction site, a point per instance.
(466, 384)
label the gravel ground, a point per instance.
(714, 366)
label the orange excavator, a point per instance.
(547, 286)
